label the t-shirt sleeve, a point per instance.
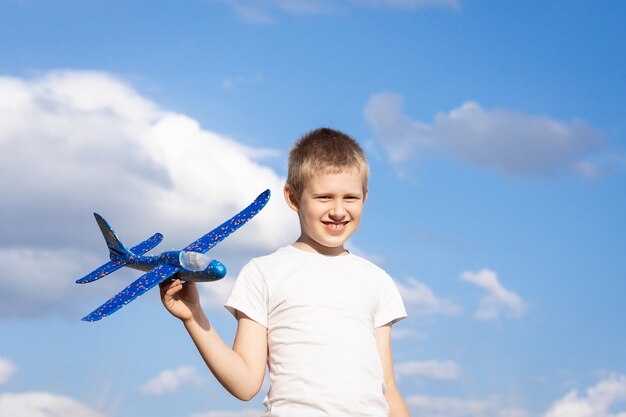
(249, 295)
(390, 308)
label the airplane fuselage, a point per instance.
(214, 270)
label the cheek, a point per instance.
(310, 213)
(357, 210)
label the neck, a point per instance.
(312, 246)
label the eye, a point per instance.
(323, 197)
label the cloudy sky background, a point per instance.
(495, 131)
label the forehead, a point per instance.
(348, 182)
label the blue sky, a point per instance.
(495, 131)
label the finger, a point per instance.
(167, 283)
(170, 287)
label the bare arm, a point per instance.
(397, 406)
(240, 369)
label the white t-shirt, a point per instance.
(320, 312)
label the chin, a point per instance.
(332, 243)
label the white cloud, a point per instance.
(421, 299)
(498, 299)
(507, 141)
(263, 11)
(42, 404)
(597, 402)
(37, 280)
(457, 407)
(170, 380)
(214, 294)
(7, 370)
(75, 142)
(447, 406)
(432, 369)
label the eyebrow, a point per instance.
(358, 194)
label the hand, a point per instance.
(181, 300)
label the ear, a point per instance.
(365, 194)
(290, 198)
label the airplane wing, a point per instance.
(147, 244)
(145, 282)
(222, 231)
(105, 269)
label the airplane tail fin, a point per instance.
(119, 255)
(117, 251)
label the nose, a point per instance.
(337, 211)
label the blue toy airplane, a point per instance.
(189, 264)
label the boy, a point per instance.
(317, 315)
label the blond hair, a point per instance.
(324, 151)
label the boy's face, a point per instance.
(330, 210)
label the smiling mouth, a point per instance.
(335, 227)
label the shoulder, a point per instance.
(370, 266)
(281, 255)
(272, 264)
(261, 273)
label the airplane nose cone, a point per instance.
(217, 269)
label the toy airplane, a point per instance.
(189, 264)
